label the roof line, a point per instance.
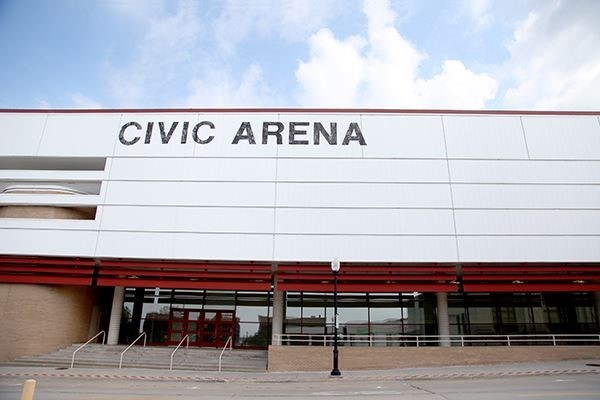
(297, 110)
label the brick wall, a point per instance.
(36, 319)
(309, 358)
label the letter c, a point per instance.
(122, 133)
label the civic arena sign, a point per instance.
(297, 133)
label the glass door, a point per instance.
(204, 328)
(217, 326)
(184, 322)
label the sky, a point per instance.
(398, 54)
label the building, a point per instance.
(219, 223)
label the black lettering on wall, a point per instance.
(354, 133)
(122, 133)
(148, 132)
(184, 132)
(197, 139)
(248, 135)
(297, 132)
(320, 130)
(267, 132)
(165, 137)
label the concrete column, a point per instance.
(597, 298)
(442, 318)
(278, 308)
(114, 325)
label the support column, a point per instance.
(278, 308)
(114, 325)
(442, 318)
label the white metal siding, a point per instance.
(425, 188)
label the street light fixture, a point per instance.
(335, 268)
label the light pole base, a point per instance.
(335, 371)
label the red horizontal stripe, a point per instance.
(185, 265)
(529, 288)
(372, 288)
(185, 274)
(40, 270)
(185, 284)
(373, 278)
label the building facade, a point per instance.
(219, 223)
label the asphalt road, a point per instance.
(573, 387)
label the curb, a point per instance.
(275, 379)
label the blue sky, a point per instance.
(462, 54)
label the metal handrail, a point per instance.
(86, 343)
(419, 340)
(187, 346)
(128, 347)
(228, 342)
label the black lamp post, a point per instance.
(335, 268)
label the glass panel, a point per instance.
(482, 314)
(253, 335)
(176, 336)
(220, 301)
(387, 328)
(251, 314)
(188, 298)
(226, 316)
(210, 316)
(193, 315)
(352, 308)
(293, 328)
(293, 308)
(209, 327)
(314, 316)
(192, 326)
(253, 307)
(156, 325)
(164, 295)
(414, 324)
(384, 307)
(177, 326)
(457, 315)
(293, 313)
(226, 329)
(177, 315)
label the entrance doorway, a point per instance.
(205, 328)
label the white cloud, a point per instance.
(168, 45)
(334, 72)
(290, 19)
(80, 101)
(554, 57)
(382, 69)
(220, 89)
(479, 12)
(457, 85)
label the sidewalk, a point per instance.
(473, 371)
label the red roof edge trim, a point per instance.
(298, 110)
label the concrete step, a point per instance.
(105, 356)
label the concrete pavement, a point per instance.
(591, 366)
(572, 380)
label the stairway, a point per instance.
(107, 356)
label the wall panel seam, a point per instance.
(451, 191)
